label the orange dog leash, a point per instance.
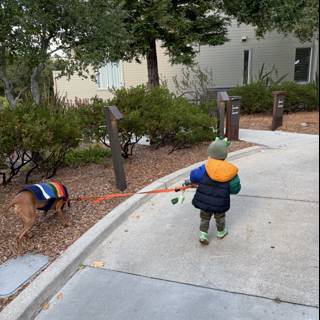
(99, 199)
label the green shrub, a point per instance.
(300, 97)
(155, 113)
(163, 117)
(8, 141)
(4, 103)
(82, 156)
(12, 156)
(92, 120)
(131, 127)
(132, 103)
(38, 136)
(209, 107)
(257, 98)
(190, 127)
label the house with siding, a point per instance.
(236, 62)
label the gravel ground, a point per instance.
(50, 238)
(301, 122)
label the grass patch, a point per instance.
(93, 154)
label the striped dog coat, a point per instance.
(48, 192)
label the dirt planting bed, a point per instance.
(300, 122)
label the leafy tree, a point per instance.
(34, 31)
(182, 25)
(308, 24)
(8, 18)
(19, 74)
(96, 31)
(179, 24)
(298, 16)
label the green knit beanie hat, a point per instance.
(218, 149)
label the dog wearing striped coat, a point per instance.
(44, 197)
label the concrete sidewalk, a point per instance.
(277, 139)
(267, 268)
(113, 295)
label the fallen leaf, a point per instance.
(277, 300)
(59, 296)
(45, 306)
(97, 264)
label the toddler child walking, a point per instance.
(216, 180)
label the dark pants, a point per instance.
(206, 217)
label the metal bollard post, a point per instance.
(222, 99)
(278, 107)
(233, 118)
(113, 115)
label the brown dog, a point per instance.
(26, 204)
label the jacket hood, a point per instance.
(220, 170)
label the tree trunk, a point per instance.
(8, 93)
(35, 78)
(6, 82)
(8, 89)
(152, 60)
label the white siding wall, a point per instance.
(133, 75)
(78, 87)
(225, 61)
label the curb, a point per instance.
(45, 285)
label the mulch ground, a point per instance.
(50, 238)
(300, 122)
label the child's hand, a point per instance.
(186, 183)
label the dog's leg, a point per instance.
(60, 214)
(26, 228)
(28, 217)
(62, 218)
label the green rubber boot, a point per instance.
(204, 238)
(222, 234)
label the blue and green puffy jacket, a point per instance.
(216, 180)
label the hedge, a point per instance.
(46, 137)
(155, 113)
(257, 98)
(36, 138)
(163, 117)
(94, 153)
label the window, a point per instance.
(302, 65)
(246, 66)
(110, 76)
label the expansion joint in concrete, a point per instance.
(275, 299)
